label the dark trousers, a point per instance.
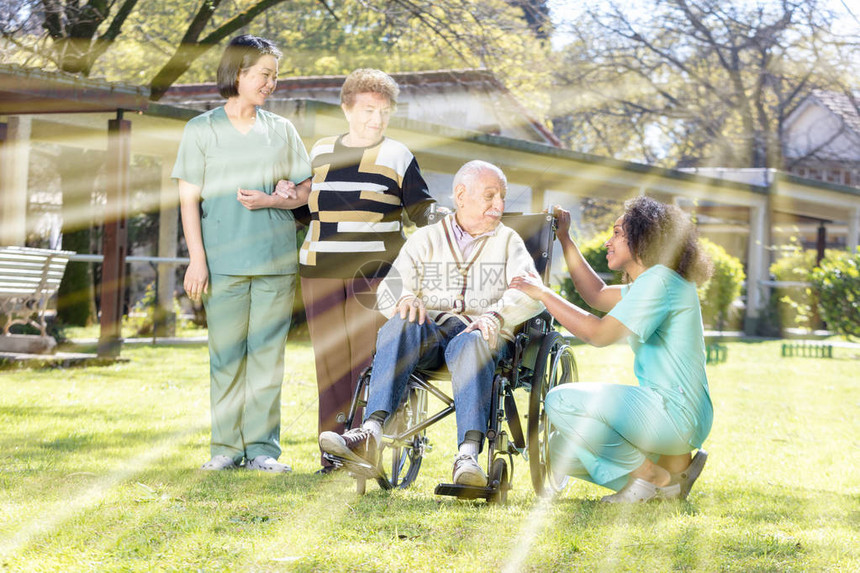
(343, 324)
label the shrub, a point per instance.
(724, 286)
(795, 304)
(837, 283)
(141, 319)
(595, 253)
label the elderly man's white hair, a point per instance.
(466, 174)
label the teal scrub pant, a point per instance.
(248, 318)
(605, 431)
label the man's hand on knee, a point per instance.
(412, 307)
(489, 328)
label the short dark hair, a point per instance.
(664, 234)
(240, 54)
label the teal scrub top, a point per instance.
(662, 311)
(219, 159)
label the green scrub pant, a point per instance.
(605, 431)
(248, 317)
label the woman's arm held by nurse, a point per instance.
(287, 195)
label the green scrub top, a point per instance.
(662, 311)
(219, 159)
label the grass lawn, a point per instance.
(98, 471)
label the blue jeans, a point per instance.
(403, 346)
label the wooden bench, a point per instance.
(28, 279)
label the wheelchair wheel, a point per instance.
(499, 473)
(400, 460)
(555, 365)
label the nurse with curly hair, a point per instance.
(636, 440)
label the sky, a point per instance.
(565, 11)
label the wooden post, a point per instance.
(115, 241)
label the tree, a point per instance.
(76, 36)
(536, 14)
(697, 82)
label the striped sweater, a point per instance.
(357, 201)
(431, 267)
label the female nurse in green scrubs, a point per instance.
(635, 439)
(241, 242)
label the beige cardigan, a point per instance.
(431, 267)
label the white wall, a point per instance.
(815, 127)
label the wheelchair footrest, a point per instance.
(356, 469)
(468, 491)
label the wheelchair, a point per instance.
(539, 359)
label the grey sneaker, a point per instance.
(639, 491)
(688, 477)
(468, 472)
(218, 463)
(267, 464)
(356, 445)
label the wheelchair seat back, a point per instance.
(537, 231)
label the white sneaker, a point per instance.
(468, 472)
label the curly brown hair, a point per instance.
(663, 234)
(368, 80)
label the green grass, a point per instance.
(98, 472)
(130, 328)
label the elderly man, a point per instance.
(453, 305)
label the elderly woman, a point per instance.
(241, 242)
(363, 183)
(636, 440)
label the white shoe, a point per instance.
(639, 491)
(688, 477)
(218, 463)
(468, 472)
(267, 464)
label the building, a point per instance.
(821, 138)
(41, 109)
(474, 100)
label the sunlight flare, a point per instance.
(54, 517)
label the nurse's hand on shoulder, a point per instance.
(253, 199)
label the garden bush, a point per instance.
(141, 319)
(718, 294)
(795, 304)
(836, 282)
(595, 253)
